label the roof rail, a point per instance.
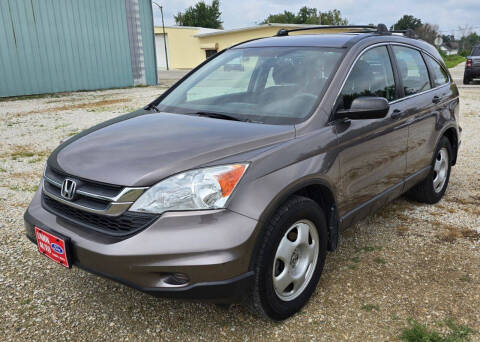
(407, 33)
(284, 32)
(379, 29)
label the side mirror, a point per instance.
(365, 107)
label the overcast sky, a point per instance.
(448, 14)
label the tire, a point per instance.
(466, 80)
(430, 190)
(294, 218)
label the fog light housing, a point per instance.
(175, 279)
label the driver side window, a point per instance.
(372, 75)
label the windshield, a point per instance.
(276, 85)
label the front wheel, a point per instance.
(432, 188)
(290, 259)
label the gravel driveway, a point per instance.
(406, 261)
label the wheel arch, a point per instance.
(319, 191)
(451, 134)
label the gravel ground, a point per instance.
(406, 261)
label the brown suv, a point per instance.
(235, 182)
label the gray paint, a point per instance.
(354, 166)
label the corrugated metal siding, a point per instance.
(148, 38)
(66, 45)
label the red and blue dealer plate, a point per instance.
(52, 246)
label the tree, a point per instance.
(468, 42)
(307, 15)
(201, 15)
(427, 32)
(407, 22)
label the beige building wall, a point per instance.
(187, 45)
(184, 50)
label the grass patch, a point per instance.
(71, 134)
(466, 278)
(453, 60)
(370, 307)
(356, 259)
(87, 106)
(31, 188)
(368, 249)
(420, 333)
(24, 151)
(379, 260)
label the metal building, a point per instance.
(49, 46)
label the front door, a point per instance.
(373, 152)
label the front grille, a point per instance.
(125, 224)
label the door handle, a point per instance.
(436, 99)
(396, 114)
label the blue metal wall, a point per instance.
(50, 46)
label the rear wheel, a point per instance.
(290, 259)
(466, 79)
(432, 188)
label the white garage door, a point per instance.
(160, 51)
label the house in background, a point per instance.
(189, 46)
(57, 45)
(450, 48)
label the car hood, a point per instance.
(141, 148)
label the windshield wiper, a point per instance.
(217, 115)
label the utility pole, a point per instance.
(164, 34)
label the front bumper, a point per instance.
(212, 248)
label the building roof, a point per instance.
(200, 30)
(252, 28)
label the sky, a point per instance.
(448, 14)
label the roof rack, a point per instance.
(284, 32)
(407, 33)
(379, 29)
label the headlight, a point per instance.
(207, 188)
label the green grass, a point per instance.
(379, 260)
(420, 333)
(370, 307)
(368, 249)
(453, 60)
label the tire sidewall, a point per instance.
(444, 142)
(273, 306)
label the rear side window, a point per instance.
(439, 75)
(412, 69)
(372, 75)
(476, 51)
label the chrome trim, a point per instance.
(113, 209)
(126, 195)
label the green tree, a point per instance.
(201, 15)
(307, 15)
(407, 22)
(468, 42)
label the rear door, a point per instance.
(421, 101)
(373, 152)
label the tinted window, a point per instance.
(439, 75)
(372, 75)
(412, 70)
(277, 85)
(476, 51)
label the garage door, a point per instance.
(160, 51)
